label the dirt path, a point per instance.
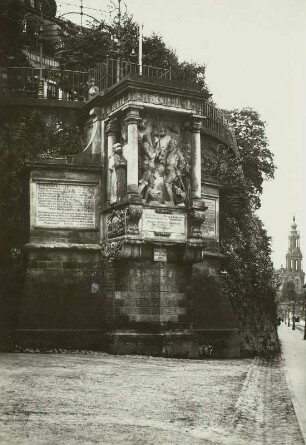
(88, 399)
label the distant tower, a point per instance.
(294, 271)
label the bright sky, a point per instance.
(255, 56)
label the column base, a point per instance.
(198, 203)
(132, 189)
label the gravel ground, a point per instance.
(128, 400)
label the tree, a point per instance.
(250, 282)
(12, 39)
(288, 292)
(255, 157)
(85, 48)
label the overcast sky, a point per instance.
(255, 56)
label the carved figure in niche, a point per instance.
(156, 186)
(117, 166)
(116, 223)
(149, 154)
(175, 165)
(160, 140)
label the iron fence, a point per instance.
(44, 83)
(111, 71)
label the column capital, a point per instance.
(195, 125)
(132, 116)
(112, 127)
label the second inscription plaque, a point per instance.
(166, 225)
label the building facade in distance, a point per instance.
(293, 272)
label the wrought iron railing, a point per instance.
(34, 58)
(111, 71)
(216, 121)
(44, 83)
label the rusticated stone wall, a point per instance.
(148, 307)
(147, 293)
(61, 305)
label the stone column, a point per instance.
(112, 131)
(132, 118)
(196, 159)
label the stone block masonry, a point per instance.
(148, 307)
(146, 292)
(61, 305)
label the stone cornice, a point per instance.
(146, 84)
(39, 165)
(55, 246)
(165, 96)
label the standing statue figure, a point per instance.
(117, 166)
(175, 163)
(93, 90)
(149, 154)
(160, 141)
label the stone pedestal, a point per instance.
(149, 307)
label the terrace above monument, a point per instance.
(63, 88)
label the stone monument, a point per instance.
(122, 233)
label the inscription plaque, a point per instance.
(163, 225)
(209, 227)
(160, 253)
(65, 205)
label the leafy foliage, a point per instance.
(288, 292)
(250, 281)
(12, 39)
(82, 49)
(255, 157)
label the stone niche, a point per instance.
(124, 253)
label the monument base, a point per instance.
(170, 344)
(54, 339)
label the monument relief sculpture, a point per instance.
(175, 164)
(165, 177)
(116, 223)
(148, 156)
(117, 166)
(196, 219)
(133, 215)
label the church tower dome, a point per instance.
(293, 225)
(294, 257)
